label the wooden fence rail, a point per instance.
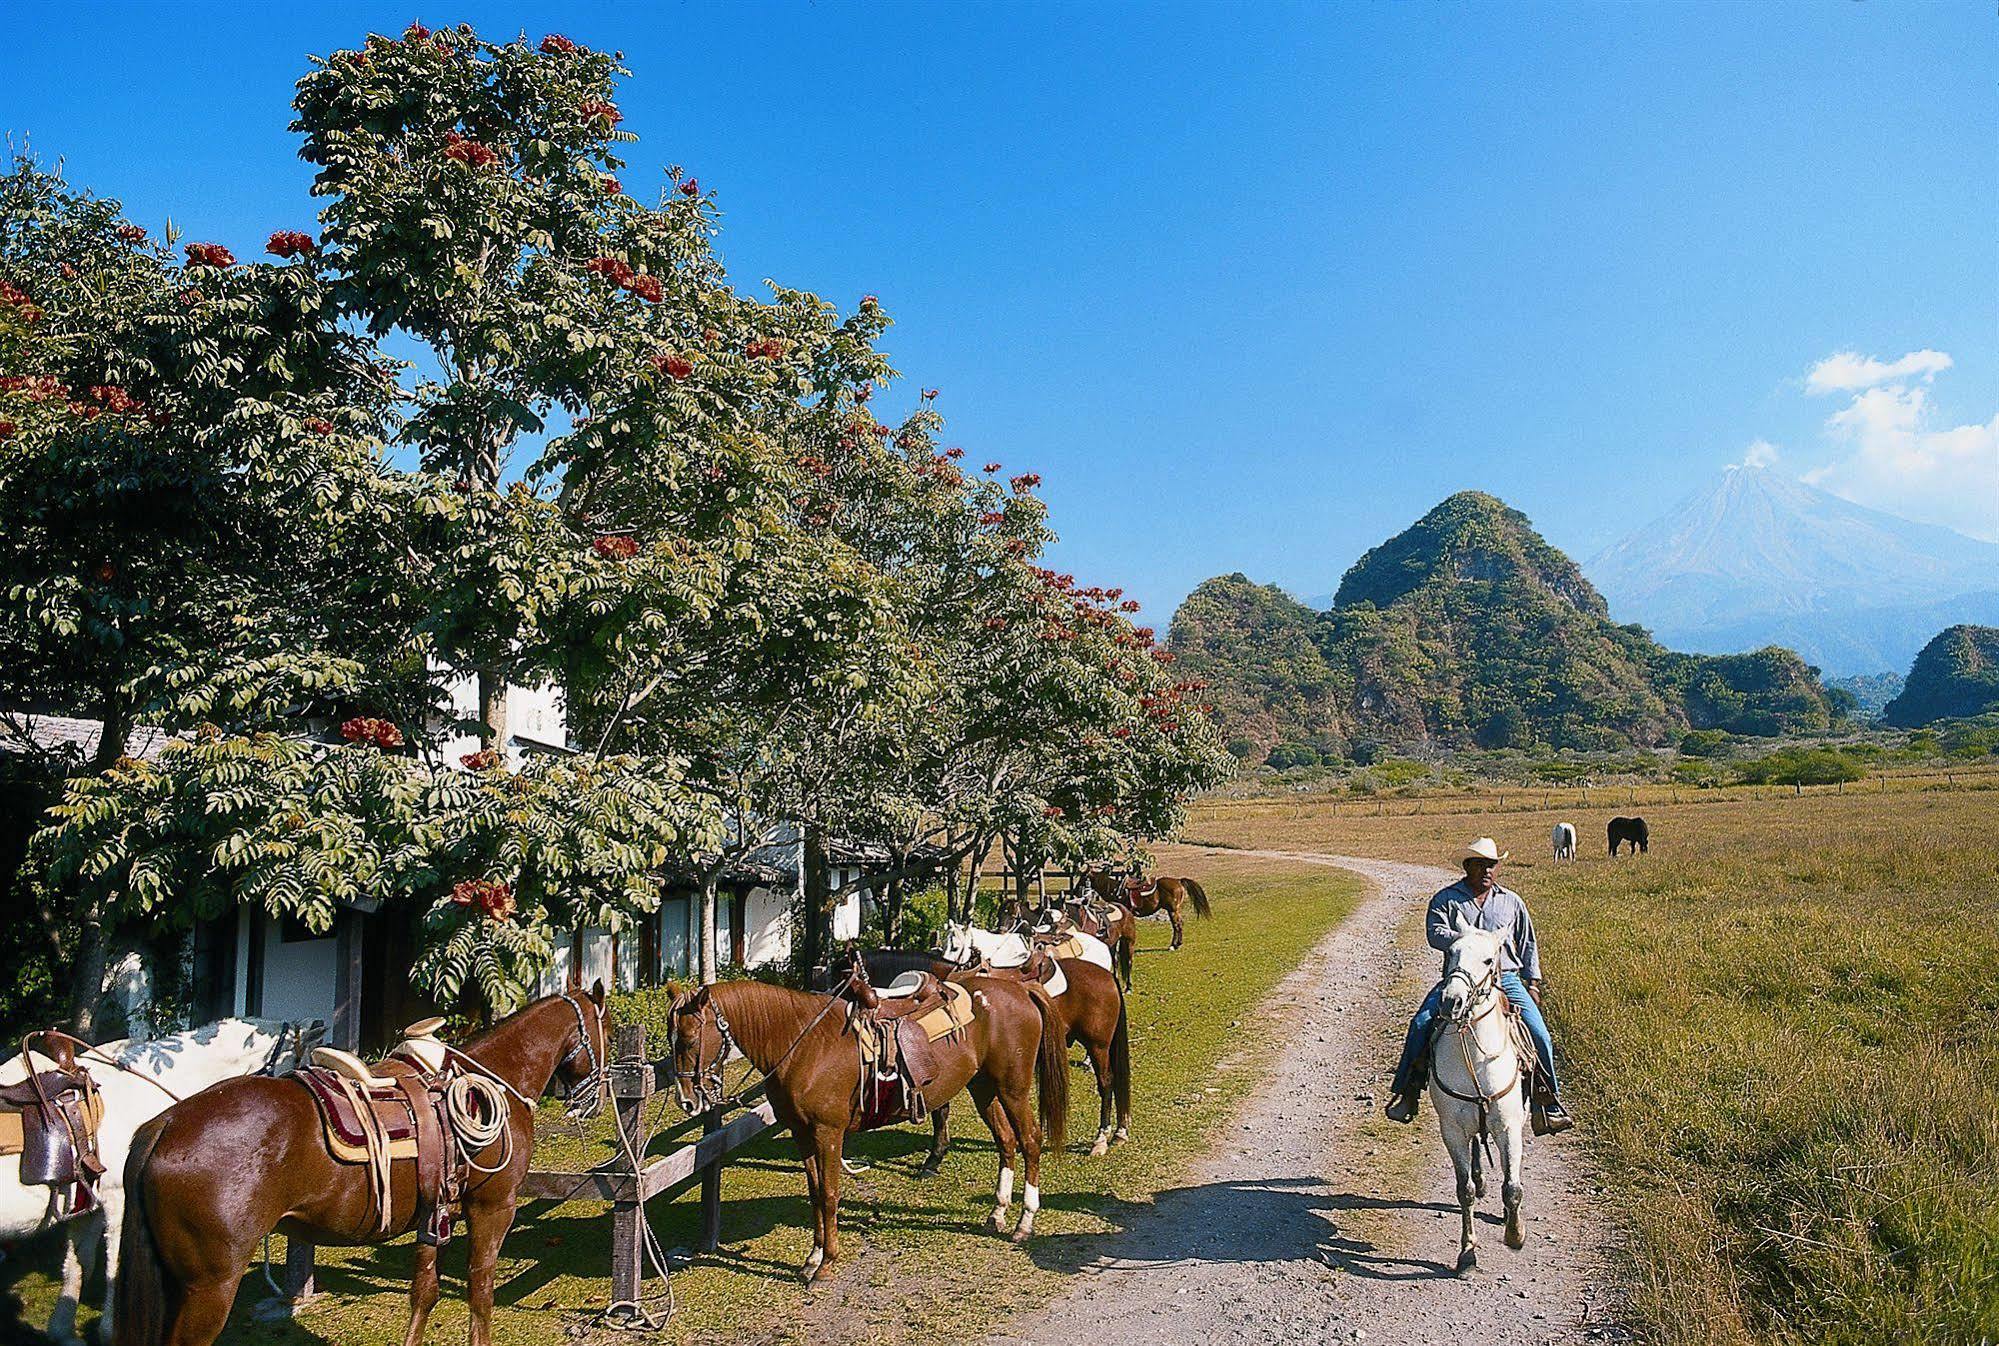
(628, 1179)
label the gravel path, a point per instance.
(1315, 1219)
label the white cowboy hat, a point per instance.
(1485, 848)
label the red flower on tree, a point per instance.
(470, 152)
(319, 426)
(676, 366)
(483, 760)
(416, 32)
(614, 269)
(555, 44)
(8, 429)
(597, 110)
(289, 243)
(1026, 481)
(1129, 605)
(209, 254)
(613, 548)
(1052, 811)
(991, 519)
(131, 233)
(930, 394)
(954, 454)
(490, 896)
(991, 468)
(24, 308)
(611, 187)
(381, 733)
(691, 187)
(646, 287)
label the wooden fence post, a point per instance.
(631, 1084)
(711, 1191)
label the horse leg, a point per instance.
(1173, 915)
(987, 1097)
(1478, 1169)
(486, 1227)
(79, 1259)
(1460, 1142)
(1100, 1063)
(808, 1155)
(203, 1312)
(940, 1141)
(1020, 1114)
(1512, 1147)
(423, 1292)
(830, 1143)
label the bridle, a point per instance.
(708, 1089)
(586, 1096)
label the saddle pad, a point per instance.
(953, 1016)
(1071, 947)
(345, 1138)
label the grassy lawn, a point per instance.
(1780, 1028)
(916, 1262)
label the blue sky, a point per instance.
(1254, 286)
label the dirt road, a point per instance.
(1315, 1219)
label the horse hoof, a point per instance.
(996, 1223)
(1478, 1188)
(1022, 1235)
(1467, 1262)
(1515, 1239)
(1100, 1149)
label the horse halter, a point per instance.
(708, 1089)
(586, 1097)
(1475, 991)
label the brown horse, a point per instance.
(810, 1058)
(1162, 894)
(215, 1173)
(1093, 1013)
(1112, 922)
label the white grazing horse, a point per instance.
(968, 944)
(1476, 1082)
(1564, 840)
(185, 1063)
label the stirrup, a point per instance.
(1404, 1107)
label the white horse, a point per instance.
(1564, 840)
(184, 1063)
(1476, 1082)
(969, 944)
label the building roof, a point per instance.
(67, 736)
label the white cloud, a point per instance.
(1850, 371)
(1760, 453)
(1894, 456)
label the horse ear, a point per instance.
(597, 993)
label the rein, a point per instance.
(96, 1053)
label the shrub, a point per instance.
(1705, 743)
(1801, 766)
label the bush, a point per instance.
(1801, 766)
(1705, 743)
(1287, 755)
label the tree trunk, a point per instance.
(980, 846)
(892, 899)
(814, 880)
(87, 975)
(492, 709)
(705, 964)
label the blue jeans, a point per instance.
(1415, 1048)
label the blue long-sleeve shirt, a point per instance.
(1503, 912)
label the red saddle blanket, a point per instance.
(336, 1108)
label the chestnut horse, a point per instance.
(1120, 932)
(216, 1173)
(811, 1062)
(1162, 894)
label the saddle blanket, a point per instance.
(951, 1017)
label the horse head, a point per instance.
(1471, 967)
(585, 1068)
(701, 1045)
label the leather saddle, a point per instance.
(908, 1032)
(1094, 916)
(390, 1113)
(1043, 966)
(50, 1119)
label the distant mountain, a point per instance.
(1871, 692)
(1761, 558)
(1465, 629)
(1956, 675)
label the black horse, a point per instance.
(1632, 830)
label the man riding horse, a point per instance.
(1483, 902)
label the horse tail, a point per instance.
(1052, 1071)
(1121, 1060)
(1194, 890)
(141, 1292)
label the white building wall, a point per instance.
(301, 978)
(536, 716)
(768, 938)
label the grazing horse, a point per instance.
(1476, 1082)
(1632, 830)
(138, 1080)
(1112, 922)
(968, 945)
(1564, 840)
(1162, 894)
(216, 1173)
(811, 1061)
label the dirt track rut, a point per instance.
(1313, 1219)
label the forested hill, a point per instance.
(1955, 675)
(1467, 629)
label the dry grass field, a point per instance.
(1782, 1035)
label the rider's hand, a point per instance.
(1534, 990)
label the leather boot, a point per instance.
(1549, 1116)
(1404, 1106)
